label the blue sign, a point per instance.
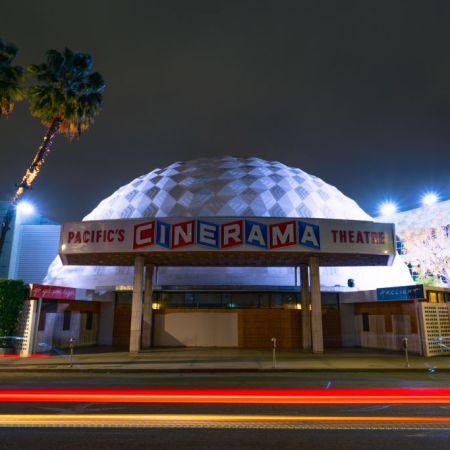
(400, 293)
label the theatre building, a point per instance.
(226, 252)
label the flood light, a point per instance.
(388, 208)
(25, 208)
(429, 199)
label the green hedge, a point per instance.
(12, 296)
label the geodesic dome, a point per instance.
(227, 187)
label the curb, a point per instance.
(219, 371)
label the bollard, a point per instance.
(71, 345)
(274, 352)
(405, 346)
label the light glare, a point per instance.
(25, 208)
(429, 199)
(388, 208)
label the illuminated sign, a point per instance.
(54, 292)
(210, 234)
(227, 234)
(61, 293)
(400, 293)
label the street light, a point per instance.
(388, 208)
(25, 208)
(429, 199)
(20, 210)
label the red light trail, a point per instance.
(230, 395)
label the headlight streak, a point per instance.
(222, 421)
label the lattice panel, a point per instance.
(22, 345)
(436, 323)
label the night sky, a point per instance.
(355, 92)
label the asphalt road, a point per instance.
(165, 430)
(131, 438)
(318, 434)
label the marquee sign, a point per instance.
(227, 235)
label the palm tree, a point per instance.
(66, 98)
(11, 78)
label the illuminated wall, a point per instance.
(31, 245)
(424, 242)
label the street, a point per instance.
(80, 425)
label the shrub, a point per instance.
(12, 296)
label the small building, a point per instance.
(30, 246)
(382, 318)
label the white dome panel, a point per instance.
(228, 187)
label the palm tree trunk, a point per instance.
(38, 161)
(29, 177)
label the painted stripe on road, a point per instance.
(223, 421)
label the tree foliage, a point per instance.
(428, 254)
(66, 91)
(12, 296)
(11, 78)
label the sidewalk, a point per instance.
(103, 360)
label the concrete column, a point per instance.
(316, 306)
(147, 314)
(306, 313)
(136, 305)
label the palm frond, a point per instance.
(66, 90)
(11, 78)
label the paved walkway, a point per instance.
(221, 360)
